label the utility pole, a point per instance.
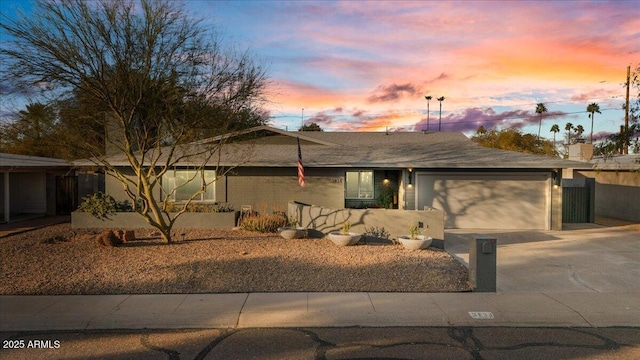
(428, 98)
(626, 113)
(302, 120)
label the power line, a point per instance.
(489, 120)
(418, 110)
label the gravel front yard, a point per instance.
(59, 260)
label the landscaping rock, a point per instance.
(108, 239)
(129, 235)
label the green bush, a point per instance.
(102, 205)
(264, 223)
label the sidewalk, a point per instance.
(236, 311)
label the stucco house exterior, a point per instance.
(35, 186)
(476, 187)
(616, 180)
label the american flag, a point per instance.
(300, 166)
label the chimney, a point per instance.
(581, 152)
(113, 135)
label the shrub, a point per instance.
(376, 233)
(200, 207)
(102, 205)
(269, 223)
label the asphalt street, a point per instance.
(329, 343)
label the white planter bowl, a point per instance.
(341, 239)
(291, 233)
(420, 242)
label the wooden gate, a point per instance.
(66, 194)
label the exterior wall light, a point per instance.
(557, 179)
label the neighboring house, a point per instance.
(616, 179)
(34, 186)
(476, 187)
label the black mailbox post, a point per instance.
(482, 264)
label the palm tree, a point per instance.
(440, 99)
(579, 131)
(592, 109)
(428, 98)
(540, 108)
(568, 127)
(36, 120)
(555, 129)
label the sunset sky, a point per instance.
(367, 65)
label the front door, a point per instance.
(66, 194)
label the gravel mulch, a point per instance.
(60, 260)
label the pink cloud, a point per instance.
(377, 60)
(393, 92)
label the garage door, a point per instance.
(487, 200)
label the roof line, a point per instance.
(260, 128)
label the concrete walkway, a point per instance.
(81, 312)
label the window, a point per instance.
(185, 183)
(359, 185)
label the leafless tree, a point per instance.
(161, 78)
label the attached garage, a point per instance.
(477, 200)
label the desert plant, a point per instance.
(346, 226)
(414, 230)
(199, 207)
(293, 221)
(377, 233)
(269, 223)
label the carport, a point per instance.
(35, 186)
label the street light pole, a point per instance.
(428, 97)
(440, 99)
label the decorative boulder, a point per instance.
(108, 239)
(129, 235)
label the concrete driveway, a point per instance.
(581, 258)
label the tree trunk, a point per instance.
(591, 140)
(166, 236)
(539, 126)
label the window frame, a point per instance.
(359, 185)
(198, 177)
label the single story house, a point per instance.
(476, 187)
(35, 186)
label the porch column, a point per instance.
(7, 208)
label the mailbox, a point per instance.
(482, 264)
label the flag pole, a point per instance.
(300, 165)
